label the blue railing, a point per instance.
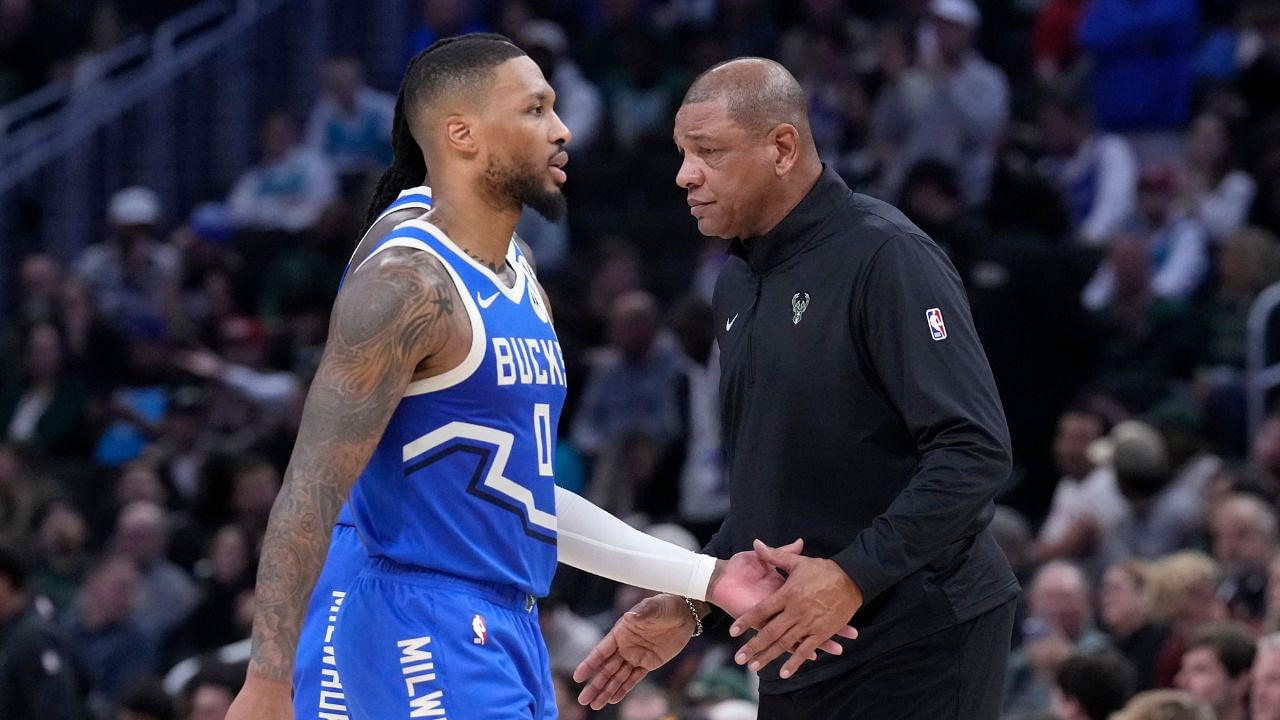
(177, 111)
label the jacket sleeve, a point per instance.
(911, 318)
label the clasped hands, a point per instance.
(799, 614)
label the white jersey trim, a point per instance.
(514, 293)
(475, 355)
(494, 479)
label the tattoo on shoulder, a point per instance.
(388, 318)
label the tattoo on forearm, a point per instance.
(388, 318)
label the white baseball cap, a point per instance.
(134, 206)
(962, 12)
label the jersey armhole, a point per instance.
(475, 355)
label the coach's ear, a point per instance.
(458, 134)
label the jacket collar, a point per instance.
(798, 229)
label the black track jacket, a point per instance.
(860, 414)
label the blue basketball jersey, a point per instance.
(462, 481)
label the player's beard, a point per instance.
(523, 183)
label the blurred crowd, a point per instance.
(45, 41)
(1104, 173)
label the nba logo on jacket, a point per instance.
(936, 326)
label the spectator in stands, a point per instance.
(289, 189)
(581, 107)
(1184, 595)
(351, 123)
(184, 446)
(1061, 622)
(132, 275)
(1164, 705)
(1264, 688)
(62, 558)
(1163, 516)
(43, 409)
(116, 650)
(167, 592)
(1215, 191)
(968, 107)
(1096, 172)
(578, 101)
(641, 90)
(227, 570)
(704, 491)
(1243, 528)
(1087, 504)
(1092, 686)
(1141, 53)
(42, 676)
(1215, 670)
(631, 391)
(1177, 245)
(905, 92)
(1126, 615)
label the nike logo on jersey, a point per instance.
(528, 361)
(486, 302)
(728, 324)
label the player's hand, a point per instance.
(814, 603)
(746, 579)
(643, 639)
(262, 699)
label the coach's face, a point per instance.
(525, 138)
(728, 170)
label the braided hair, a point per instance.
(454, 62)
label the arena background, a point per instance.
(181, 184)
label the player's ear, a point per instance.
(459, 134)
(786, 146)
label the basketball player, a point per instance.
(440, 388)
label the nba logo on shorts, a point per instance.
(936, 327)
(477, 627)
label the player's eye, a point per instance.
(536, 109)
(708, 151)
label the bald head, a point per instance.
(759, 94)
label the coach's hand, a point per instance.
(644, 639)
(814, 604)
(262, 699)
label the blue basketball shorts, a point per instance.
(317, 690)
(412, 643)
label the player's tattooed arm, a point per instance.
(387, 319)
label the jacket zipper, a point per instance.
(751, 334)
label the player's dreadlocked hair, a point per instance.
(455, 63)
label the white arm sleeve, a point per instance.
(592, 540)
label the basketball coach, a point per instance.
(859, 414)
